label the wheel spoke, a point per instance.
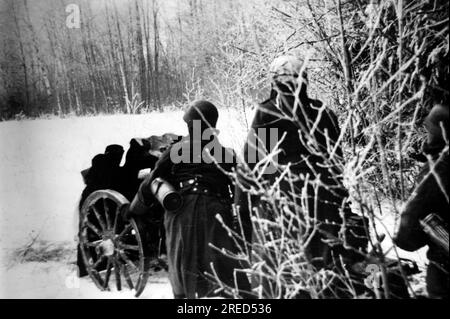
(128, 261)
(99, 218)
(116, 219)
(108, 273)
(94, 229)
(106, 210)
(126, 229)
(97, 279)
(117, 275)
(128, 247)
(98, 262)
(127, 277)
(93, 244)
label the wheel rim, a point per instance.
(112, 248)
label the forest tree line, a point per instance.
(126, 56)
(140, 55)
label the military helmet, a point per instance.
(286, 69)
(114, 149)
(204, 111)
(113, 154)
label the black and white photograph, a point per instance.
(234, 151)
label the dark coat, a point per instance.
(294, 127)
(191, 229)
(430, 197)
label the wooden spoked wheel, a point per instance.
(113, 249)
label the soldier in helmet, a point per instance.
(307, 133)
(196, 167)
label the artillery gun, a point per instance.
(113, 249)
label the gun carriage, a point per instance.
(114, 250)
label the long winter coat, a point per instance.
(328, 202)
(192, 229)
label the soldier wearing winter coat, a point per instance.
(307, 134)
(197, 167)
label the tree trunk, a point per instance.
(141, 55)
(156, 54)
(124, 68)
(23, 57)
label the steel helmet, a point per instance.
(286, 69)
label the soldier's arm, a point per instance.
(144, 199)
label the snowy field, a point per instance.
(40, 184)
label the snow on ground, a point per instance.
(58, 280)
(40, 184)
(386, 224)
(41, 162)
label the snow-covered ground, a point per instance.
(58, 280)
(40, 184)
